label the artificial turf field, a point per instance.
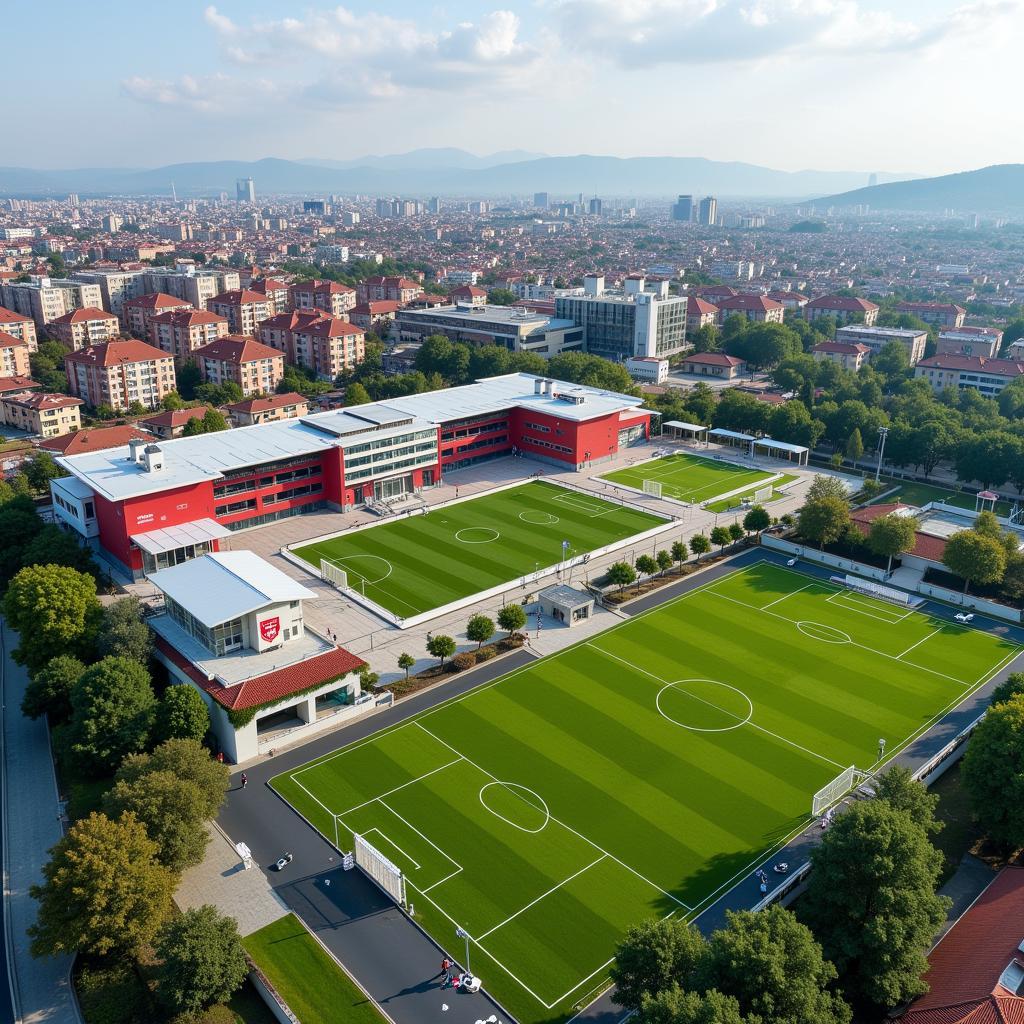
(639, 773)
(420, 562)
(689, 478)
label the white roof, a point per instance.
(226, 585)
(170, 538)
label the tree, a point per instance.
(871, 901)
(705, 338)
(502, 297)
(479, 629)
(993, 772)
(181, 715)
(892, 360)
(620, 574)
(54, 610)
(112, 709)
(40, 470)
(103, 891)
(854, 446)
(54, 546)
(679, 551)
(170, 810)
(646, 566)
(49, 690)
(825, 521)
(211, 422)
(356, 394)
(757, 520)
(700, 545)
(736, 532)
(187, 761)
(406, 662)
(674, 1006)
(773, 966)
(512, 618)
(1009, 687)
(188, 378)
(898, 788)
(172, 402)
(652, 957)
(892, 535)
(202, 960)
(224, 393)
(441, 646)
(123, 632)
(975, 558)
(720, 536)
(825, 486)
(664, 560)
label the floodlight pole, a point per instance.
(463, 934)
(883, 432)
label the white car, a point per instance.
(964, 616)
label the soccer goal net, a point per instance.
(653, 488)
(837, 788)
(879, 590)
(331, 573)
(762, 494)
(373, 863)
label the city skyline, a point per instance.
(789, 84)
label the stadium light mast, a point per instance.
(463, 934)
(883, 432)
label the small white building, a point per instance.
(568, 605)
(232, 627)
(647, 369)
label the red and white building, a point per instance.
(43, 415)
(83, 327)
(339, 459)
(377, 316)
(139, 312)
(243, 308)
(754, 307)
(18, 326)
(395, 289)
(699, 313)
(330, 296)
(181, 333)
(14, 356)
(328, 346)
(118, 373)
(268, 410)
(254, 367)
(848, 355)
(277, 291)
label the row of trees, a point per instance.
(859, 937)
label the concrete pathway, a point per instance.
(969, 881)
(42, 988)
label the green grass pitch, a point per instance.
(638, 773)
(414, 564)
(689, 478)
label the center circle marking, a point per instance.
(694, 728)
(826, 634)
(549, 519)
(520, 789)
(489, 535)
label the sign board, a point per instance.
(270, 628)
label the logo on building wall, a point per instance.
(269, 628)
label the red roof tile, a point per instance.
(188, 318)
(925, 545)
(8, 384)
(176, 417)
(237, 348)
(84, 315)
(7, 316)
(844, 303)
(695, 307)
(749, 302)
(713, 359)
(273, 402)
(157, 300)
(110, 353)
(94, 439)
(999, 367)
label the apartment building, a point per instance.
(699, 313)
(120, 372)
(969, 341)
(393, 289)
(116, 286)
(288, 406)
(848, 355)
(842, 308)
(276, 291)
(987, 376)
(186, 281)
(276, 331)
(468, 295)
(83, 327)
(181, 332)
(941, 314)
(756, 308)
(330, 296)
(243, 309)
(256, 368)
(328, 346)
(44, 299)
(21, 327)
(138, 313)
(876, 338)
(636, 321)
(42, 415)
(14, 361)
(378, 316)
(172, 422)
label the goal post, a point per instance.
(653, 488)
(835, 790)
(379, 869)
(763, 494)
(332, 574)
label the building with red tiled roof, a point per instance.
(377, 316)
(328, 346)
(714, 364)
(987, 376)
(14, 356)
(94, 439)
(279, 292)
(754, 307)
(256, 368)
(330, 296)
(243, 308)
(396, 289)
(842, 308)
(18, 326)
(976, 970)
(119, 373)
(12, 384)
(699, 313)
(928, 548)
(233, 627)
(848, 355)
(942, 314)
(265, 410)
(172, 422)
(469, 295)
(139, 312)
(83, 327)
(182, 332)
(43, 415)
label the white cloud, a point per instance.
(199, 93)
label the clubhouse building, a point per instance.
(148, 506)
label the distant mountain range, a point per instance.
(997, 189)
(446, 172)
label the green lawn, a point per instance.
(689, 478)
(727, 503)
(636, 774)
(913, 493)
(308, 980)
(414, 564)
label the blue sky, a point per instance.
(900, 85)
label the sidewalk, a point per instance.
(42, 987)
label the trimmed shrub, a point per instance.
(467, 659)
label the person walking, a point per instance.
(881, 748)
(446, 969)
(245, 780)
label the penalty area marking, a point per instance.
(681, 683)
(518, 790)
(342, 563)
(826, 634)
(550, 520)
(489, 535)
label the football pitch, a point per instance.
(414, 564)
(639, 773)
(689, 478)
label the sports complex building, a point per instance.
(151, 505)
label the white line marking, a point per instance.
(411, 782)
(441, 881)
(784, 596)
(919, 642)
(391, 842)
(554, 888)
